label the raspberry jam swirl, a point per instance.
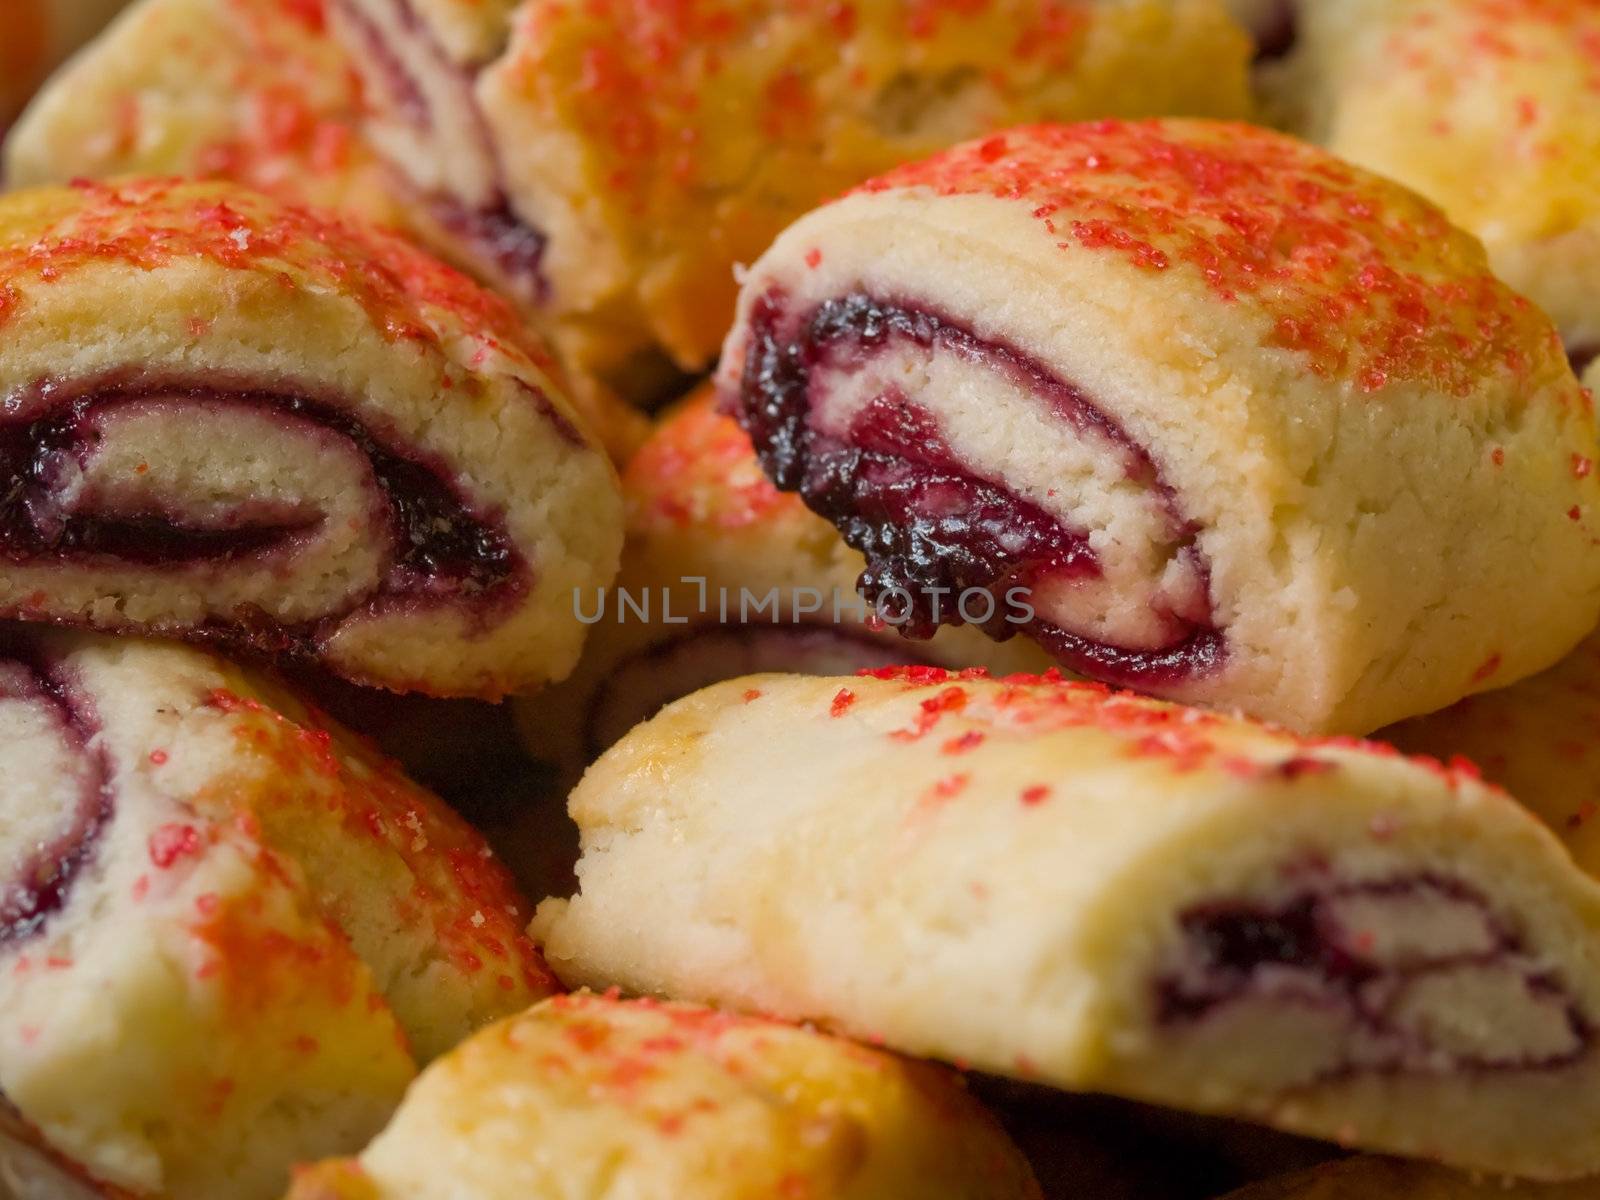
(50, 837)
(826, 397)
(1383, 961)
(307, 515)
(430, 128)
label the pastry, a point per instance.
(609, 163)
(1540, 740)
(229, 933)
(590, 1097)
(230, 419)
(1193, 391)
(249, 91)
(722, 575)
(418, 61)
(1391, 1179)
(253, 91)
(1487, 107)
(1103, 892)
(38, 35)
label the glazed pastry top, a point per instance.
(1359, 276)
(255, 91)
(592, 1096)
(1104, 892)
(990, 718)
(50, 236)
(1487, 106)
(699, 470)
(658, 145)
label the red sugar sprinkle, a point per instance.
(150, 223)
(1035, 795)
(1582, 466)
(171, 842)
(970, 740)
(158, 757)
(1487, 668)
(917, 676)
(752, 694)
(649, 84)
(813, 258)
(951, 699)
(700, 469)
(1363, 279)
(1299, 765)
(842, 701)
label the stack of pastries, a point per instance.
(1003, 593)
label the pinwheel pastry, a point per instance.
(229, 933)
(1243, 425)
(610, 162)
(249, 91)
(230, 419)
(38, 35)
(1103, 892)
(722, 576)
(1391, 1179)
(1487, 107)
(253, 91)
(590, 1097)
(1540, 740)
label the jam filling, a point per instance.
(1278, 31)
(1308, 950)
(441, 546)
(499, 239)
(929, 527)
(404, 93)
(42, 880)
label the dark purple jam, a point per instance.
(404, 94)
(441, 546)
(153, 539)
(1300, 950)
(929, 527)
(499, 239)
(1279, 32)
(40, 882)
(900, 496)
